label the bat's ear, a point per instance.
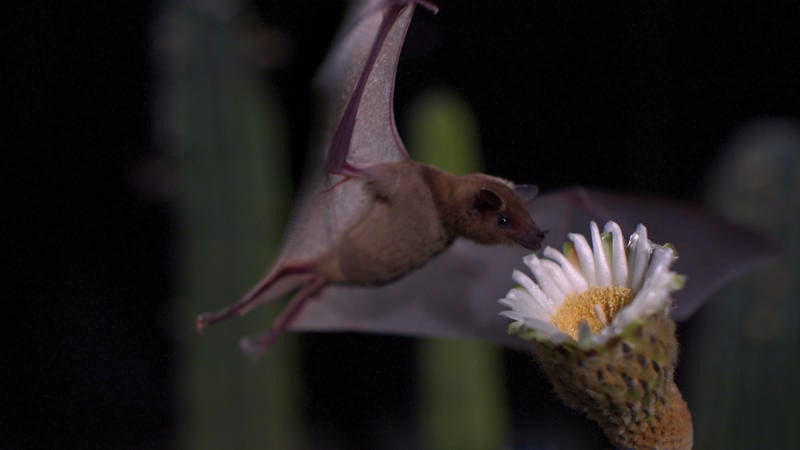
(526, 192)
(486, 200)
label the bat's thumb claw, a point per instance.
(430, 6)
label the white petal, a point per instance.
(544, 279)
(653, 297)
(602, 272)
(533, 289)
(601, 315)
(515, 302)
(660, 260)
(519, 297)
(619, 258)
(557, 275)
(513, 315)
(639, 257)
(540, 325)
(521, 301)
(658, 279)
(583, 330)
(585, 258)
(576, 280)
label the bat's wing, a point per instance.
(356, 130)
(455, 295)
(355, 86)
(711, 251)
(357, 83)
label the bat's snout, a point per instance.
(531, 238)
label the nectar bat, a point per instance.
(364, 241)
(404, 212)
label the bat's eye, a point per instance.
(504, 221)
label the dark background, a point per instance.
(631, 95)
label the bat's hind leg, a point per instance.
(258, 345)
(276, 283)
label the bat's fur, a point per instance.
(415, 212)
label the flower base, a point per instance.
(598, 318)
(626, 384)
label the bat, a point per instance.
(384, 244)
(402, 213)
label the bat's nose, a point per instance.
(531, 238)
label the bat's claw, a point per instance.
(430, 6)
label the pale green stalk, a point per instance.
(463, 397)
(744, 360)
(225, 135)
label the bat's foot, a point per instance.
(201, 322)
(280, 281)
(256, 347)
(204, 320)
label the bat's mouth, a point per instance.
(531, 239)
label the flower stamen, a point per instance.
(595, 306)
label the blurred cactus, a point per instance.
(463, 397)
(745, 356)
(225, 133)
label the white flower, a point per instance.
(589, 293)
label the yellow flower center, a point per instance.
(596, 306)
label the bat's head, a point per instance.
(490, 212)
